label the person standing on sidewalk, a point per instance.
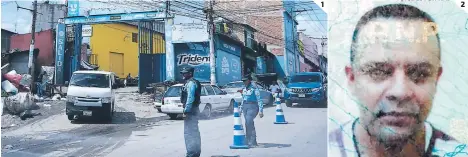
(190, 98)
(251, 106)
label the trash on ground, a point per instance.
(28, 114)
(56, 97)
(26, 80)
(38, 99)
(19, 103)
(8, 147)
(14, 78)
(9, 87)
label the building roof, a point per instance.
(8, 31)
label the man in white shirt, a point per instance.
(274, 88)
(394, 81)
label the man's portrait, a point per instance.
(398, 104)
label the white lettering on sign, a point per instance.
(232, 48)
(193, 59)
(73, 7)
(225, 66)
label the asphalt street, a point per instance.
(139, 130)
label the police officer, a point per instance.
(251, 106)
(190, 97)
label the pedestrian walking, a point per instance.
(190, 98)
(251, 106)
(274, 89)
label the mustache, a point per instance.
(396, 114)
(397, 109)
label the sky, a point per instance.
(16, 20)
(313, 22)
(19, 20)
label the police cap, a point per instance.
(187, 70)
(246, 77)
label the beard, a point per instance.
(395, 124)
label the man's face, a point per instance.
(246, 82)
(186, 76)
(394, 79)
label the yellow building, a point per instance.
(114, 47)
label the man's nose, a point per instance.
(400, 89)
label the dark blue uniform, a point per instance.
(251, 105)
(190, 97)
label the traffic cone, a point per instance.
(239, 135)
(279, 112)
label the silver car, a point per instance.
(234, 87)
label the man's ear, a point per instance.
(349, 74)
(439, 73)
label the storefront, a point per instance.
(249, 61)
(228, 60)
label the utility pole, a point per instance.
(212, 48)
(31, 65)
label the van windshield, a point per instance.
(306, 78)
(90, 80)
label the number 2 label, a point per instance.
(462, 4)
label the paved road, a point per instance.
(138, 130)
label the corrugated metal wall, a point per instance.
(44, 42)
(152, 57)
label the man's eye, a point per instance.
(418, 75)
(379, 74)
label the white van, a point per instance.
(91, 93)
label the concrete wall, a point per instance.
(311, 50)
(269, 23)
(50, 14)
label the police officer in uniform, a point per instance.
(190, 98)
(250, 107)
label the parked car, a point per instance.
(307, 88)
(91, 93)
(212, 99)
(233, 88)
(157, 102)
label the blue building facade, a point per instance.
(290, 39)
(228, 61)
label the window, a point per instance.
(209, 90)
(306, 78)
(173, 91)
(90, 80)
(203, 92)
(258, 85)
(135, 37)
(235, 85)
(217, 90)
